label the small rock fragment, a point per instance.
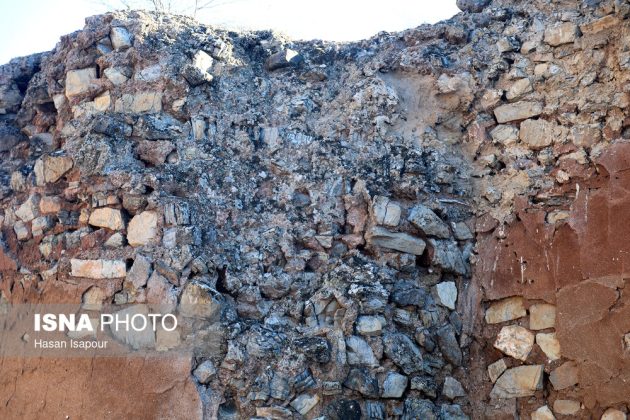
(79, 81)
(282, 59)
(564, 376)
(543, 413)
(204, 372)
(549, 344)
(566, 407)
(430, 223)
(561, 33)
(98, 269)
(517, 111)
(613, 414)
(394, 385)
(142, 228)
(120, 37)
(399, 241)
(107, 218)
(496, 369)
(447, 293)
(452, 388)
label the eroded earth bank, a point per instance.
(430, 224)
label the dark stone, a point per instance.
(314, 348)
(374, 410)
(111, 126)
(472, 6)
(418, 409)
(452, 412)
(282, 59)
(402, 351)
(449, 345)
(343, 410)
(425, 384)
(360, 380)
(303, 381)
(408, 293)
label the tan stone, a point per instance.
(613, 414)
(515, 341)
(506, 310)
(108, 218)
(496, 369)
(116, 75)
(517, 111)
(542, 316)
(197, 301)
(561, 33)
(386, 212)
(139, 102)
(564, 376)
(504, 134)
(518, 89)
(29, 209)
(142, 228)
(49, 205)
(537, 134)
(520, 381)
(543, 413)
(79, 81)
(599, 25)
(566, 407)
(166, 340)
(98, 269)
(102, 102)
(549, 344)
(50, 169)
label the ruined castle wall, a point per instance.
(425, 224)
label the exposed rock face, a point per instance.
(428, 224)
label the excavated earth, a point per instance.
(431, 224)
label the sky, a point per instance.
(30, 26)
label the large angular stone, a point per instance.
(447, 340)
(140, 102)
(564, 376)
(98, 269)
(517, 111)
(120, 37)
(515, 341)
(50, 169)
(520, 381)
(504, 134)
(139, 337)
(398, 241)
(386, 212)
(305, 403)
(196, 72)
(79, 81)
(204, 372)
(496, 369)
(613, 414)
(360, 380)
(29, 209)
(139, 272)
(282, 59)
(403, 352)
(359, 352)
(542, 316)
(394, 385)
(566, 407)
(107, 218)
(427, 221)
(537, 134)
(142, 228)
(506, 310)
(561, 33)
(518, 89)
(446, 254)
(452, 388)
(154, 152)
(197, 301)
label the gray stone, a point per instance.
(416, 409)
(446, 254)
(427, 221)
(496, 369)
(139, 272)
(282, 59)
(472, 6)
(506, 310)
(117, 75)
(447, 293)
(398, 241)
(360, 380)
(369, 325)
(196, 73)
(403, 352)
(452, 388)
(543, 413)
(408, 293)
(386, 212)
(359, 352)
(452, 412)
(504, 134)
(205, 372)
(305, 403)
(120, 37)
(394, 385)
(29, 209)
(448, 345)
(425, 384)
(138, 337)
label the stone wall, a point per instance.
(422, 225)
